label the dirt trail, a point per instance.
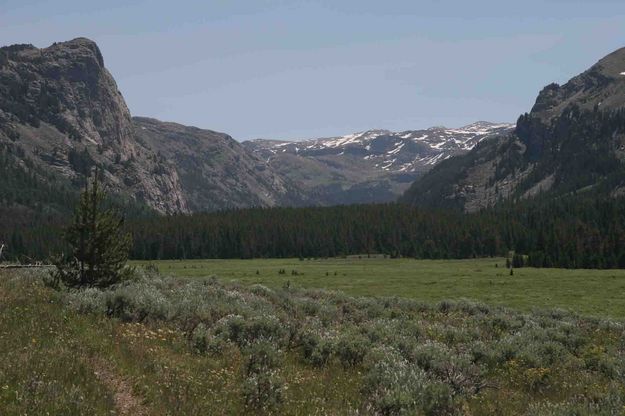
(126, 403)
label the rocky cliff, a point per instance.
(573, 140)
(60, 108)
(215, 171)
(61, 111)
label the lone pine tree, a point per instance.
(99, 245)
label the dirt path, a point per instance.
(126, 403)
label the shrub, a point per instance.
(263, 391)
(138, 302)
(351, 349)
(317, 350)
(199, 338)
(395, 387)
(89, 300)
(262, 357)
(243, 331)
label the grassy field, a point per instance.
(160, 345)
(58, 361)
(591, 292)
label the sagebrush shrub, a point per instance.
(262, 357)
(416, 358)
(263, 391)
(393, 386)
(351, 349)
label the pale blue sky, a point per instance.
(295, 69)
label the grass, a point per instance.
(190, 345)
(53, 359)
(590, 292)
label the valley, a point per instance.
(370, 166)
(150, 267)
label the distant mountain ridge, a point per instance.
(573, 140)
(369, 166)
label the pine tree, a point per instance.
(99, 245)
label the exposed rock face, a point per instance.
(215, 171)
(573, 140)
(60, 107)
(371, 166)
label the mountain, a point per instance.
(215, 171)
(61, 109)
(572, 141)
(370, 166)
(61, 114)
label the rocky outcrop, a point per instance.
(60, 108)
(573, 140)
(215, 171)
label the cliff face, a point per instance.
(573, 140)
(61, 109)
(215, 171)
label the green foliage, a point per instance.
(262, 357)
(415, 358)
(264, 391)
(351, 349)
(571, 232)
(397, 387)
(99, 246)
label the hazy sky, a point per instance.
(294, 69)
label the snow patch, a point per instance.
(397, 149)
(388, 165)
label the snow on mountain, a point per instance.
(387, 151)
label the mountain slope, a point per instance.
(371, 166)
(61, 112)
(215, 171)
(60, 109)
(573, 140)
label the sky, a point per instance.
(304, 69)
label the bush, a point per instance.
(262, 357)
(243, 331)
(263, 391)
(138, 302)
(393, 386)
(351, 349)
(89, 300)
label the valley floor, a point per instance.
(590, 292)
(164, 345)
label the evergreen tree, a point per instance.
(99, 246)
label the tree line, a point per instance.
(570, 232)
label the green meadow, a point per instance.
(589, 292)
(175, 341)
